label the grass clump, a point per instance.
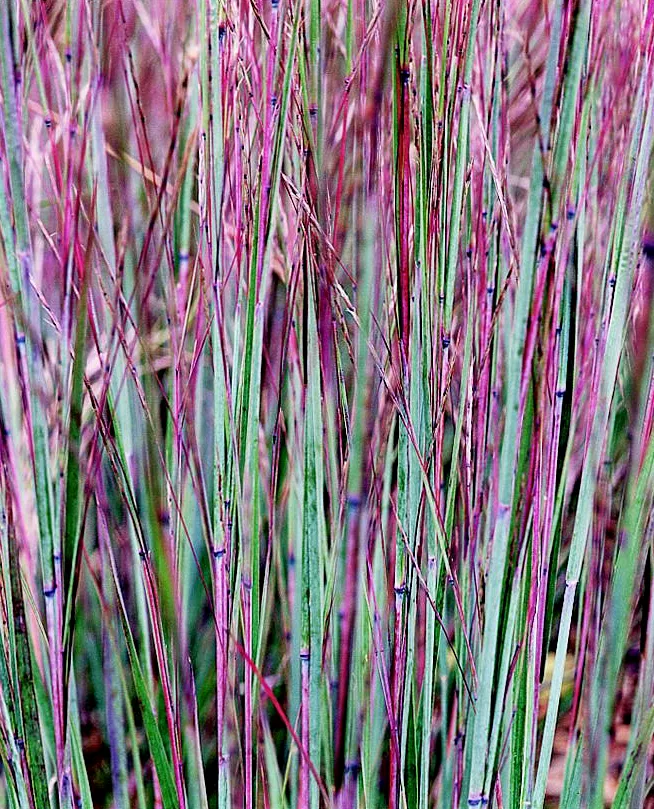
(326, 404)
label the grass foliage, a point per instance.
(326, 404)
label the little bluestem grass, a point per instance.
(326, 404)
